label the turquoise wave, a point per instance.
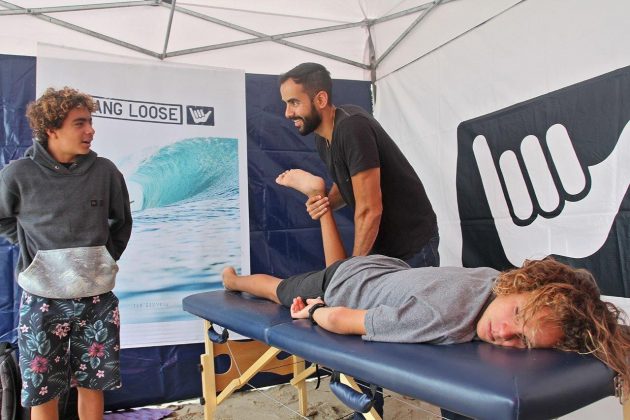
(188, 170)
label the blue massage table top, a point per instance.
(476, 379)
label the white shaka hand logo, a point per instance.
(568, 208)
(199, 116)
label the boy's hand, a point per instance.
(299, 309)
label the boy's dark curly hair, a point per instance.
(51, 109)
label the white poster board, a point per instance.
(178, 135)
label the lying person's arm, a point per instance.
(338, 319)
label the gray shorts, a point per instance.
(306, 285)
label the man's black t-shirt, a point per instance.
(360, 143)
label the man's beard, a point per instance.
(310, 122)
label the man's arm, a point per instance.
(334, 198)
(338, 319)
(368, 209)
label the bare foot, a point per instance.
(302, 181)
(228, 274)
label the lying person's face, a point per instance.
(502, 324)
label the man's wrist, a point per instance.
(312, 310)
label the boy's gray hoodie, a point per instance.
(72, 224)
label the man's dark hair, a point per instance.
(312, 76)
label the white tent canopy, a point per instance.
(356, 39)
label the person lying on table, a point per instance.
(543, 304)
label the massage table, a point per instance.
(475, 379)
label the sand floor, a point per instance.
(277, 402)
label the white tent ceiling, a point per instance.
(356, 39)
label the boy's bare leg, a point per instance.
(312, 185)
(261, 285)
(91, 404)
(46, 411)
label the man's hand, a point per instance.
(299, 309)
(316, 206)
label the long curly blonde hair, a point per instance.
(572, 299)
(51, 109)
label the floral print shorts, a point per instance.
(64, 341)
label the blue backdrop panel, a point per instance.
(17, 88)
(9, 293)
(283, 238)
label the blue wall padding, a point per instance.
(9, 293)
(17, 89)
(283, 238)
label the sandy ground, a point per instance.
(278, 402)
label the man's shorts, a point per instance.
(306, 285)
(68, 339)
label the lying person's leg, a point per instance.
(307, 285)
(311, 186)
(261, 285)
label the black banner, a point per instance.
(591, 117)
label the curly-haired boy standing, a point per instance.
(69, 212)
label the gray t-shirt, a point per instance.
(437, 305)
